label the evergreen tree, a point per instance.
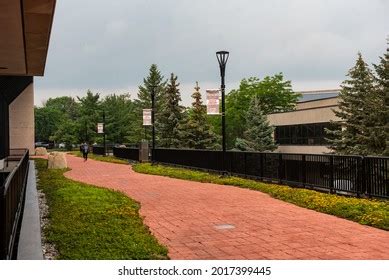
(356, 93)
(259, 134)
(154, 81)
(195, 131)
(380, 106)
(169, 115)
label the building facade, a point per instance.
(303, 130)
(24, 41)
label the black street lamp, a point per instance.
(222, 57)
(152, 122)
(105, 145)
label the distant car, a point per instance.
(62, 145)
(41, 144)
(47, 145)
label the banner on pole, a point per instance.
(213, 97)
(147, 117)
(100, 128)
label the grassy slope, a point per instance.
(88, 222)
(364, 211)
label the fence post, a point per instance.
(245, 164)
(262, 168)
(280, 168)
(331, 174)
(362, 178)
(304, 170)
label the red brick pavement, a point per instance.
(208, 221)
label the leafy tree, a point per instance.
(380, 106)
(47, 121)
(90, 115)
(119, 110)
(67, 133)
(65, 104)
(274, 94)
(170, 115)
(195, 132)
(356, 92)
(259, 134)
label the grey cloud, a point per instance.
(111, 44)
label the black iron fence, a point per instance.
(368, 176)
(12, 192)
(126, 153)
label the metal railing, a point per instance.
(99, 150)
(126, 153)
(355, 175)
(12, 191)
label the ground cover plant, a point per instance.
(88, 222)
(364, 211)
(110, 159)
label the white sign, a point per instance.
(147, 117)
(213, 97)
(100, 128)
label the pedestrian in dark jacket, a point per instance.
(85, 151)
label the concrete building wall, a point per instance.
(321, 112)
(21, 120)
(318, 111)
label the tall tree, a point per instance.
(258, 135)
(274, 94)
(380, 106)
(356, 93)
(195, 132)
(119, 110)
(91, 114)
(65, 104)
(154, 81)
(170, 115)
(47, 121)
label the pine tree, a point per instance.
(154, 81)
(380, 107)
(356, 93)
(259, 134)
(169, 115)
(195, 131)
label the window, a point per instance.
(302, 134)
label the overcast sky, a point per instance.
(108, 46)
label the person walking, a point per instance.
(85, 151)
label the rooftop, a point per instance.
(318, 94)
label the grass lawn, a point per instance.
(364, 211)
(87, 222)
(110, 159)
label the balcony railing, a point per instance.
(13, 183)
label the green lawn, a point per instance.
(87, 222)
(364, 211)
(110, 159)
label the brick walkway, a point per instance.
(207, 221)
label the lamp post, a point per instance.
(105, 145)
(222, 57)
(152, 122)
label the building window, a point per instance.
(302, 134)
